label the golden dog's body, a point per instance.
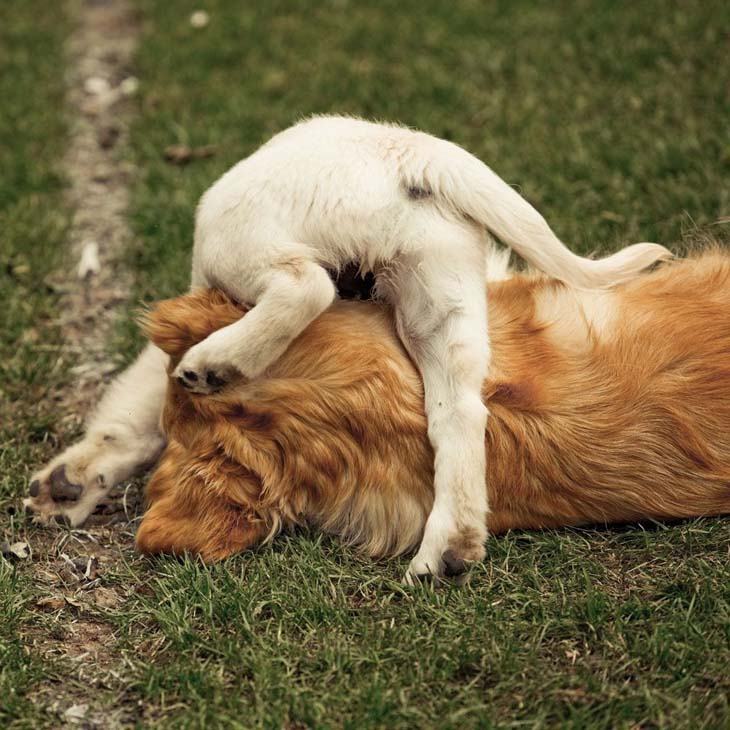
(605, 407)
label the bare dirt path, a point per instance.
(100, 88)
(74, 570)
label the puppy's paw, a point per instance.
(446, 558)
(201, 371)
(204, 382)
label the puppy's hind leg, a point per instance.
(441, 317)
(288, 296)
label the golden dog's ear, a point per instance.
(175, 325)
(198, 508)
(221, 531)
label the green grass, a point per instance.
(33, 223)
(613, 122)
(577, 629)
(612, 119)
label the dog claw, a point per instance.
(62, 490)
(454, 566)
(62, 520)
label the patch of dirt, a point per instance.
(73, 633)
(74, 569)
(100, 97)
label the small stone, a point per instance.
(76, 713)
(96, 86)
(89, 264)
(19, 550)
(130, 86)
(199, 19)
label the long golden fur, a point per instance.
(605, 407)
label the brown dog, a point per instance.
(605, 407)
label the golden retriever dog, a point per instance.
(606, 407)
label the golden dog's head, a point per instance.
(201, 500)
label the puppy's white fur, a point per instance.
(417, 212)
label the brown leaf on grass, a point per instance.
(51, 603)
(181, 154)
(106, 598)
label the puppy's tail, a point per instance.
(467, 185)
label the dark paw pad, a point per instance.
(62, 490)
(35, 488)
(454, 566)
(188, 379)
(213, 380)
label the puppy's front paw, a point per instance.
(204, 383)
(200, 373)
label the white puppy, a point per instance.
(417, 212)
